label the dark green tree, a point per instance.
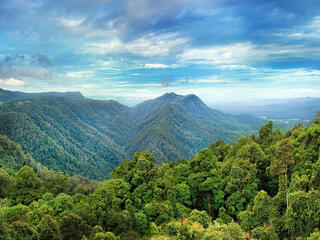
(73, 227)
(26, 187)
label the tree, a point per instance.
(225, 231)
(23, 230)
(265, 135)
(141, 222)
(56, 182)
(266, 232)
(205, 182)
(317, 119)
(5, 181)
(159, 212)
(105, 236)
(254, 153)
(283, 159)
(48, 229)
(139, 173)
(220, 149)
(62, 204)
(73, 227)
(201, 217)
(262, 216)
(302, 216)
(26, 187)
(3, 231)
(108, 198)
(314, 236)
(241, 184)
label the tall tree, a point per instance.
(26, 187)
(279, 167)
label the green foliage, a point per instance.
(4, 235)
(241, 184)
(56, 182)
(265, 233)
(23, 230)
(5, 181)
(314, 236)
(141, 222)
(265, 187)
(26, 187)
(263, 212)
(108, 198)
(11, 154)
(105, 236)
(159, 212)
(62, 205)
(48, 228)
(186, 229)
(200, 217)
(225, 231)
(303, 213)
(73, 227)
(153, 229)
(67, 132)
(265, 135)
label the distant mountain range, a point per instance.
(281, 109)
(68, 132)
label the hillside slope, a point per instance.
(57, 137)
(88, 137)
(174, 126)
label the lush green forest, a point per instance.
(67, 132)
(262, 187)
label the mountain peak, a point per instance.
(185, 99)
(169, 96)
(193, 99)
(75, 95)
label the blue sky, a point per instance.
(134, 50)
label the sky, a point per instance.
(129, 51)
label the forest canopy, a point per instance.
(262, 187)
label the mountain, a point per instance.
(67, 132)
(11, 154)
(174, 126)
(281, 109)
(8, 96)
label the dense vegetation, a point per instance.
(262, 187)
(69, 133)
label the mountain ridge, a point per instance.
(90, 137)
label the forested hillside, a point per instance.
(67, 132)
(262, 187)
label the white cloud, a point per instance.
(294, 75)
(242, 55)
(79, 74)
(28, 68)
(12, 82)
(70, 23)
(236, 67)
(222, 54)
(126, 85)
(148, 46)
(305, 90)
(310, 30)
(159, 66)
(209, 79)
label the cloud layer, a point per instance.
(133, 50)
